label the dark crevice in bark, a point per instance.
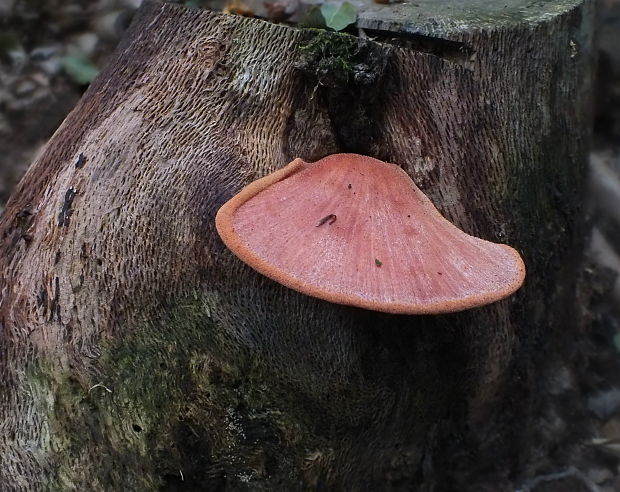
(345, 76)
(451, 51)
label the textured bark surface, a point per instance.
(137, 353)
(453, 20)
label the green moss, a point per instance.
(171, 398)
(329, 57)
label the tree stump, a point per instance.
(137, 353)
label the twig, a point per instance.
(571, 471)
(100, 385)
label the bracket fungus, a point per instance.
(354, 230)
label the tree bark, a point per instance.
(137, 353)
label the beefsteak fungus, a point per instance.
(355, 230)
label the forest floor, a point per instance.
(50, 51)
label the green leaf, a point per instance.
(313, 18)
(80, 69)
(338, 16)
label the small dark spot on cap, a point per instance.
(349, 186)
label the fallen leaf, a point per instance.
(80, 69)
(339, 16)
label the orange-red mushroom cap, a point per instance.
(354, 230)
